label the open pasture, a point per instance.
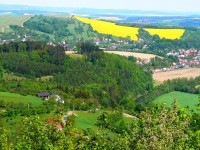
(6, 21)
(183, 99)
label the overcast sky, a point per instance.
(163, 5)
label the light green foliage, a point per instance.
(3, 139)
(161, 128)
(113, 121)
(184, 99)
(1, 72)
(34, 134)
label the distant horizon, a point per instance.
(169, 6)
(97, 8)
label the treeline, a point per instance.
(37, 51)
(190, 39)
(163, 62)
(13, 109)
(87, 47)
(19, 65)
(181, 84)
(32, 59)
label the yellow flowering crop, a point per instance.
(171, 34)
(104, 27)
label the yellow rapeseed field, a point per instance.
(104, 27)
(171, 34)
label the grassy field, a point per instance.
(184, 99)
(137, 55)
(12, 97)
(85, 120)
(183, 73)
(6, 21)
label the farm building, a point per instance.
(44, 95)
(57, 98)
(47, 96)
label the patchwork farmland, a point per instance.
(104, 27)
(6, 21)
(171, 34)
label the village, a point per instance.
(187, 58)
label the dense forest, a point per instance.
(105, 78)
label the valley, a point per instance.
(74, 78)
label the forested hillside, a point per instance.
(104, 78)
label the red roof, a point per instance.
(59, 126)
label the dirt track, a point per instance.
(183, 73)
(2, 30)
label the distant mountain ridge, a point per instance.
(157, 18)
(70, 10)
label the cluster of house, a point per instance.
(187, 58)
(114, 43)
(182, 53)
(46, 96)
(23, 38)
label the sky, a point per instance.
(156, 5)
